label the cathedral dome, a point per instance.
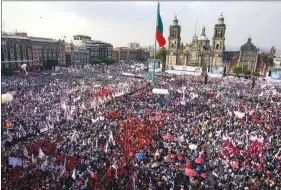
(202, 38)
(221, 20)
(203, 35)
(176, 21)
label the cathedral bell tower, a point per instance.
(174, 36)
(174, 44)
(218, 45)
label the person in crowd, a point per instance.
(84, 129)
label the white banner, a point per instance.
(187, 68)
(160, 91)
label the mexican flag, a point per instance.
(159, 29)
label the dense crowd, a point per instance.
(85, 129)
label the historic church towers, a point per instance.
(199, 52)
(218, 45)
(173, 53)
(175, 35)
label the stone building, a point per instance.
(277, 61)
(250, 59)
(76, 55)
(127, 55)
(79, 40)
(248, 56)
(199, 52)
(99, 50)
(19, 48)
(218, 45)
(134, 45)
(121, 53)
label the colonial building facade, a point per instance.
(199, 52)
(250, 59)
(127, 54)
(76, 55)
(99, 50)
(19, 48)
(248, 56)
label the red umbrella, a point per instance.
(173, 156)
(199, 160)
(190, 172)
(168, 136)
(180, 158)
(188, 165)
(204, 175)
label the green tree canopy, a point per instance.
(256, 74)
(51, 63)
(237, 70)
(247, 72)
(106, 61)
(161, 54)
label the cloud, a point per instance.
(122, 22)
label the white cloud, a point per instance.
(122, 22)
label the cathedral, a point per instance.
(199, 52)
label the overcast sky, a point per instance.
(122, 22)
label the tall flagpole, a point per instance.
(153, 74)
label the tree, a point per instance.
(247, 72)
(237, 70)
(51, 63)
(108, 61)
(7, 71)
(161, 54)
(256, 74)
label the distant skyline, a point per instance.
(120, 23)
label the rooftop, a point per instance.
(24, 36)
(80, 35)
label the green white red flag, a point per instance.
(159, 29)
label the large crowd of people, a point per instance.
(89, 129)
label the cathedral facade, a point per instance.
(199, 52)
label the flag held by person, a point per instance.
(115, 166)
(159, 29)
(106, 146)
(9, 135)
(33, 159)
(180, 139)
(74, 174)
(25, 152)
(22, 131)
(9, 125)
(41, 153)
(95, 177)
(15, 161)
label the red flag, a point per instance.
(94, 176)
(108, 173)
(159, 29)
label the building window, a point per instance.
(11, 46)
